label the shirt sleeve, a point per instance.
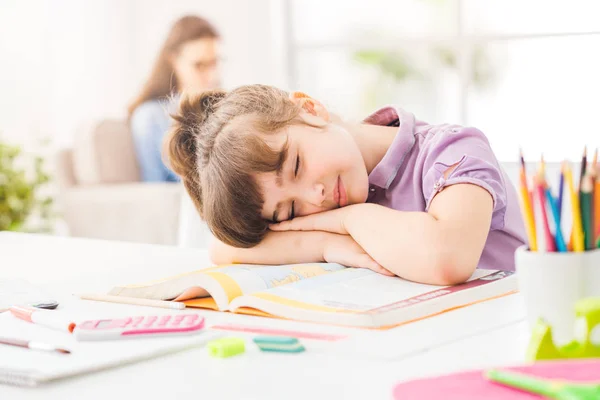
(468, 151)
(149, 124)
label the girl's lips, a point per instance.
(343, 197)
(336, 192)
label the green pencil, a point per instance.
(586, 204)
(553, 389)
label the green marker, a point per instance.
(553, 389)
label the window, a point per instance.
(526, 73)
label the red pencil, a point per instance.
(539, 185)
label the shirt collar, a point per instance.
(384, 173)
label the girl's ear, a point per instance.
(313, 111)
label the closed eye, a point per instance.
(292, 208)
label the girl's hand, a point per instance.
(344, 250)
(329, 221)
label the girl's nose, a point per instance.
(317, 194)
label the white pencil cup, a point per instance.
(551, 284)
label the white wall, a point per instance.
(64, 61)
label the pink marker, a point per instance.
(45, 318)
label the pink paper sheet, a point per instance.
(473, 385)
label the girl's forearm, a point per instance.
(276, 248)
(413, 245)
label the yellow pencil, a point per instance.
(528, 213)
(578, 243)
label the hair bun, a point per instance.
(181, 143)
(194, 110)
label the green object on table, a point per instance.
(542, 347)
(279, 344)
(553, 389)
(226, 347)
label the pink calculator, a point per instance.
(136, 327)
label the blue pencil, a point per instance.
(560, 241)
(560, 194)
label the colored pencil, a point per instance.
(559, 196)
(560, 240)
(586, 211)
(593, 172)
(548, 238)
(527, 208)
(597, 204)
(522, 159)
(174, 305)
(578, 241)
(583, 166)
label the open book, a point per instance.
(321, 292)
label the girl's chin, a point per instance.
(361, 198)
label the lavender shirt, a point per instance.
(412, 172)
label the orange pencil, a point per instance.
(597, 201)
(593, 171)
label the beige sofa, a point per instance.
(101, 195)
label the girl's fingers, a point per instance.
(374, 266)
(364, 261)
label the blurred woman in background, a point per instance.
(188, 61)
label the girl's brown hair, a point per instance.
(162, 81)
(215, 146)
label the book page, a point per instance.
(354, 290)
(255, 278)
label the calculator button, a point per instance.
(88, 325)
(120, 323)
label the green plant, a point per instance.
(404, 67)
(23, 204)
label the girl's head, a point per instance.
(187, 61)
(257, 155)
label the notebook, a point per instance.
(473, 385)
(322, 292)
(23, 367)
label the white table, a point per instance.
(496, 334)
